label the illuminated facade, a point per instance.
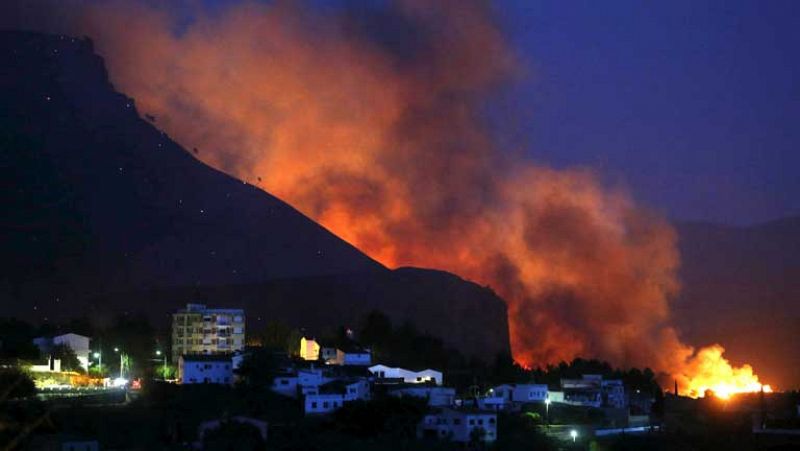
(309, 349)
(201, 330)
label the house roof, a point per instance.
(206, 357)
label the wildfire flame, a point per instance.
(710, 371)
(370, 122)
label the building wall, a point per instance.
(359, 390)
(353, 358)
(458, 425)
(200, 330)
(309, 349)
(205, 372)
(436, 396)
(324, 403)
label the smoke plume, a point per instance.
(371, 120)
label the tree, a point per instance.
(275, 335)
(258, 368)
(69, 360)
(15, 384)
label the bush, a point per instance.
(233, 435)
(15, 384)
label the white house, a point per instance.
(301, 382)
(407, 376)
(332, 395)
(436, 396)
(52, 366)
(77, 343)
(205, 369)
(323, 403)
(493, 403)
(521, 393)
(353, 356)
(459, 425)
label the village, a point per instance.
(208, 347)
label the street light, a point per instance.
(574, 434)
(99, 358)
(164, 371)
(547, 412)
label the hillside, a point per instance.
(103, 213)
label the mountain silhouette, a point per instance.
(103, 213)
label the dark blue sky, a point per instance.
(694, 105)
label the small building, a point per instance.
(463, 425)
(353, 356)
(493, 403)
(322, 403)
(309, 349)
(332, 395)
(613, 393)
(592, 391)
(436, 396)
(521, 393)
(328, 355)
(300, 382)
(78, 343)
(205, 369)
(388, 373)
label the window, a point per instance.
(284, 382)
(480, 421)
(325, 405)
(313, 405)
(492, 420)
(457, 421)
(471, 421)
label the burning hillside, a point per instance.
(372, 123)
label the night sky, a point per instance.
(693, 105)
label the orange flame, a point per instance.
(709, 370)
(380, 139)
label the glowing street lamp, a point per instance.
(547, 412)
(99, 358)
(574, 434)
(164, 371)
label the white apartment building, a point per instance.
(459, 425)
(205, 369)
(407, 376)
(201, 330)
(77, 343)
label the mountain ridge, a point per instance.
(103, 213)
